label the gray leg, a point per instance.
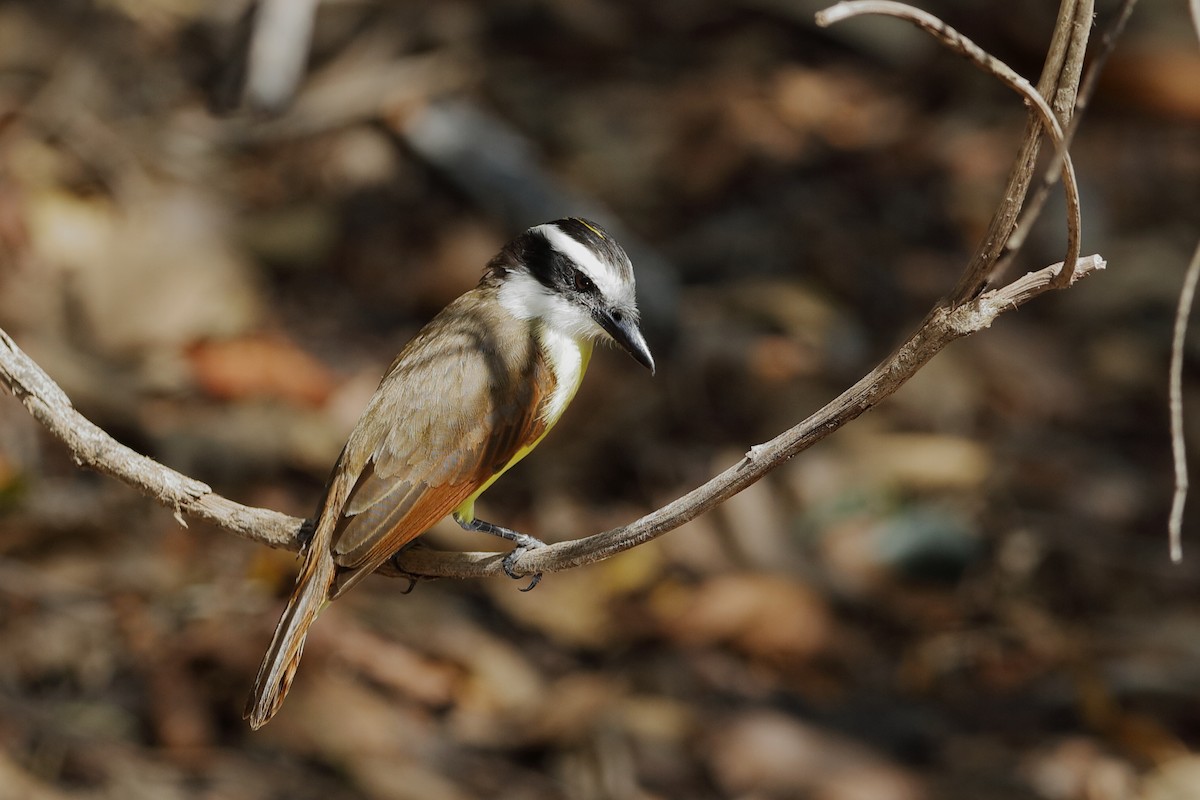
(522, 541)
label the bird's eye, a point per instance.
(583, 283)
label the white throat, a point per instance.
(565, 333)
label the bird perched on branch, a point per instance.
(468, 397)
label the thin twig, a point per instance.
(995, 67)
(1055, 81)
(1178, 445)
(1033, 209)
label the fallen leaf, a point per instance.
(768, 752)
(260, 366)
(761, 615)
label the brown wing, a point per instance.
(457, 404)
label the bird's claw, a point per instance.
(406, 575)
(524, 545)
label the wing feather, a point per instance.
(460, 401)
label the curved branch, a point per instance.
(997, 68)
(1178, 444)
(939, 328)
(94, 448)
(1087, 88)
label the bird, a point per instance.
(468, 397)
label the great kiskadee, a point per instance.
(468, 397)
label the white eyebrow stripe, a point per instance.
(600, 273)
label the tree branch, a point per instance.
(1178, 443)
(941, 327)
(278, 51)
(969, 312)
(1072, 64)
(92, 447)
(1087, 88)
(1070, 35)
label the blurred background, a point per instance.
(964, 593)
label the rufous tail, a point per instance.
(283, 656)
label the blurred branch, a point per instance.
(1178, 443)
(498, 169)
(365, 83)
(969, 313)
(278, 51)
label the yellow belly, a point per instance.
(568, 359)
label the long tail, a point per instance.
(283, 656)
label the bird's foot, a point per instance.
(524, 545)
(523, 541)
(408, 576)
(394, 562)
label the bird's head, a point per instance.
(573, 277)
